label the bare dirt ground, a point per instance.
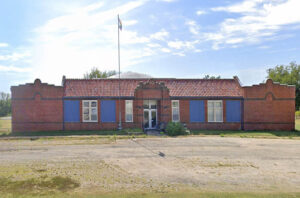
(160, 164)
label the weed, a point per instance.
(34, 185)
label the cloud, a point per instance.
(200, 12)
(131, 37)
(92, 7)
(86, 18)
(3, 45)
(161, 35)
(244, 7)
(193, 27)
(165, 50)
(4, 68)
(168, 1)
(179, 53)
(153, 45)
(259, 19)
(182, 44)
(176, 44)
(127, 23)
(14, 56)
(87, 37)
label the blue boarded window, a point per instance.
(197, 113)
(71, 111)
(233, 111)
(108, 110)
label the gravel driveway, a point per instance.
(205, 163)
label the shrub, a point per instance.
(175, 129)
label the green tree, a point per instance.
(96, 73)
(287, 74)
(211, 77)
(5, 104)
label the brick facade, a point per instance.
(37, 107)
(40, 106)
(269, 106)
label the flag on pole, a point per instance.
(120, 23)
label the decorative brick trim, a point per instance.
(266, 95)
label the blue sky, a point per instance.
(163, 38)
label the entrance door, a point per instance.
(150, 114)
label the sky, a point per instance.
(162, 38)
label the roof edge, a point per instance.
(114, 79)
(269, 80)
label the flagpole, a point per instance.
(120, 118)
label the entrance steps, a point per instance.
(154, 132)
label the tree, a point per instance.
(287, 74)
(5, 104)
(96, 73)
(211, 77)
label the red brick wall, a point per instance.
(185, 118)
(37, 107)
(269, 106)
(152, 90)
(94, 126)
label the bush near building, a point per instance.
(175, 129)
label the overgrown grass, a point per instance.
(5, 126)
(250, 134)
(69, 133)
(37, 185)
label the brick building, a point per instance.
(221, 104)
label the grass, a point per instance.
(37, 185)
(196, 195)
(43, 183)
(297, 124)
(251, 134)
(5, 131)
(74, 133)
(5, 126)
(100, 179)
(155, 195)
(254, 134)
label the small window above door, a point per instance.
(150, 104)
